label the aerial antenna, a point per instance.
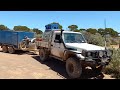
(105, 34)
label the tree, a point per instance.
(101, 31)
(76, 30)
(37, 31)
(73, 27)
(21, 28)
(109, 31)
(60, 26)
(82, 29)
(3, 27)
(112, 32)
(92, 31)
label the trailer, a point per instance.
(10, 40)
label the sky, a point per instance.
(83, 19)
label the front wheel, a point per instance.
(73, 68)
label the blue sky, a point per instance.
(83, 19)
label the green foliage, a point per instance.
(21, 28)
(92, 31)
(38, 35)
(3, 27)
(95, 39)
(109, 31)
(101, 31)
(37, 31)
(82, 29)
(112, 32)
(73, 27)
(114, 66)
(76, 30)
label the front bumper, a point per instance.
(95, 62)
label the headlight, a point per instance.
(89, 54)
(105, 53)
(109, 52)
(101, 54)
(83, 52)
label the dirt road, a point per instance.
(26, 65)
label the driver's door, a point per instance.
(57, 49)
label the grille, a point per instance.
(95, 54)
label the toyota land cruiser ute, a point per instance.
(72, 48)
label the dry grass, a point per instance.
(114, 46)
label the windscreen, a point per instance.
(73, 38)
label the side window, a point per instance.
(57, 37)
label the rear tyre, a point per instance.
(11, 50)
(43, 55)
(5, 49)
(73, 68)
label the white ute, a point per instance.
(72, 48)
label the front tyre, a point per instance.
(43, 55)
(73, 68)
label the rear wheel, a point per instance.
(43, 55)
(5, 49)
(11, 50)
(73, 68)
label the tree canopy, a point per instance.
(109, 31)
(21, 28)
(92, 31)
(3, 27)
(37, 31)
(73, 27)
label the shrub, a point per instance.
(95, 39)
(114, 66)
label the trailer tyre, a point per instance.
(73, 68)
(11, 50)
(5, 49)
(43, 55)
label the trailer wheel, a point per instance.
(11, 50)
(43, 55)
(5, 49)
(73, 68)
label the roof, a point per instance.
(68, 32)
